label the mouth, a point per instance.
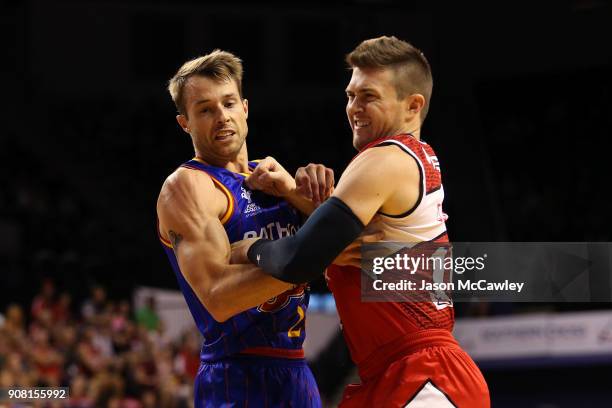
(361, 124)
(224, 134)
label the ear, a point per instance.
(414, 103)
(183, 122)
(245, 105)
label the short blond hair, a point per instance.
(219, 65)
(411, 68)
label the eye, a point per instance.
(204, 110)
(229, 104)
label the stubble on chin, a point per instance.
(360, 141)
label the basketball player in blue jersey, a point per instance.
(252, 324)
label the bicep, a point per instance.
(202, 251)
(366, 185)
(188, 210)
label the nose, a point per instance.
(222, 115)
(353, 107)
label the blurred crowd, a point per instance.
(108, 354)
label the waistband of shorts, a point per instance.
(252, 359)
(274, 352)
(401, 347)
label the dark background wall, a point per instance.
(520, 118)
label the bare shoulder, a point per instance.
(187, 196)
(184, 183)
(387, 162)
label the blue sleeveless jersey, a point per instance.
(275, 328)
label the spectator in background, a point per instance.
(61, 308)
(120, 317)
(95, 306)
(89, 356)
(65, 338)
(149, 399)
(14, 323)
(45, 299)
(80, 395)
(187, 360)
(47, 360)
(147, 316)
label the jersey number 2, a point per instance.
(295, 331)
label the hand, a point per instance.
(315, 182)
(240, 250)
(352, 253)
(271, 178)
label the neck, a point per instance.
(413, 127)
(237, 164)
(416, 133)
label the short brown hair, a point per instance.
(412, 70)
(220, 65)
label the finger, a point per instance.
(352, 245)
(314, 187)
(373, 237)
(321, 181)
(303, 183)
(282, 181)
(268, 180)
(251, 182)
(275, 175)
(254, 176)
(329, 182)
(304, 190)
(264, 168)
(260, 178)
(259, 166)
(267, 162)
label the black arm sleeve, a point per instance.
(304, 256)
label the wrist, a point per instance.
(291, 192)
(252, 254)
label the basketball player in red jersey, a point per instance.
(405, 353)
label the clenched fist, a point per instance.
(315, 182)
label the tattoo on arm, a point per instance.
(176, 239)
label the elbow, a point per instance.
(216, 307)
(219, 315)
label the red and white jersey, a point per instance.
(425, 221)
(373, 329)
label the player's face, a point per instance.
(373, 109)
(216, 118)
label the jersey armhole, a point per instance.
(165, 242)
(405, 149)
(231, 205)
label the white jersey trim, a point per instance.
(421, 170)
(429, 396)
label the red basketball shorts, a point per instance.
(437, 376)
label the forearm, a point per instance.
(302, 204)
(238, 288)
(304, 256)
